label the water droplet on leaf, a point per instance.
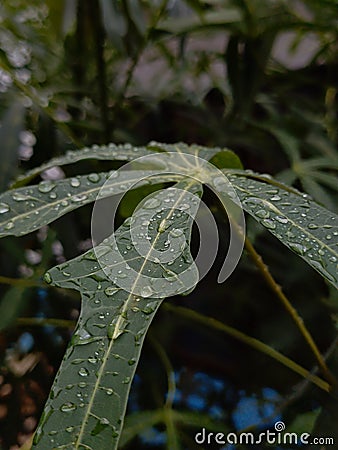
(269, 224)
(75, 182)
(68, 407)
(4, 208)
(9, 226)
(110, 291)
(47, 278)
(46, 186)
(262, 214)
(94, 177)
(83, 372)
(146, 291)
(297, 248)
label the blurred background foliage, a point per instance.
(259, 77)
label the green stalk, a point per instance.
(210, 322)
(276, 288)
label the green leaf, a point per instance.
(304, 423)
(298, 222)
(11, 305)
(27, 209)
(226, 159)
(109, 152)
(88, 400)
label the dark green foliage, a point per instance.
(257, 77)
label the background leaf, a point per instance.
(11, 125)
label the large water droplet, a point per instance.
(83, 372)
(281, 219)
(94, 177)
(275, 198)
(9, 225)
(46, 186)
(297, 248)
(110, 291)
(4, 208)
(146, 291)
(268, 223)
(75, 182)
(262, 213)
(92, 360)
(20, 196)
(79, 198)
(68, 407)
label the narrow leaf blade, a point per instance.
(294, 218)
(88, 400)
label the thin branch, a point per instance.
(248, 340)
(276, 288)
(101, 69)
(169, 371)
(42, 321)
(21, 282)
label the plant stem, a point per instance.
(101, 68)
(276, 288)
(23, 282)
(168, 417)
(42, 321)
(169, 371)
(136, 59)
(248, 340)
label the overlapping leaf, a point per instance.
(112, 152)
(104, 152)
(298, 222)
(28, 208)
(89, 396)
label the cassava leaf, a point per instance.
(87, 402)
(109, 152)
(294, 218)
(112, 152)
(26, 209)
